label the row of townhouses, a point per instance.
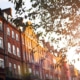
(21, 56)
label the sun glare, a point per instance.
(73, 58)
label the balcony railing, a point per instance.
(11, 74)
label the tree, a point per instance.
(57, 17)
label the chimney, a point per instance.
(8, 11)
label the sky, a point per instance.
(8, 4)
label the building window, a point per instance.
(50, 76)
(30, 70)
(37, 73)
(19, 70)
(10, 66)
(8, 31)
(9, 47)
(13, 36)
(46, 75)
(34, 71)
(17, 37)
(15, 72)
(14, 66)
(1, 63)
(1, 42)
(40, 74)
(18, 52)
(0, 25)
(25, 69)
(14, 50)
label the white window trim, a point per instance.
(37, 72)
(9, 47)
(18, 52)
(13, 36)
(1, 62)
(17, 37)
(46, 75)
(19, 70)
(30, 70)
(10, 66)
(14, 50)
(14, 66)
(1, 44)
(0, 25)
(8, 31)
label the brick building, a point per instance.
(20, 53)
(10, 48)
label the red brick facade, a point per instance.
(20, 54)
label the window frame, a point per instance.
(15, 68)
(17, 37)
(19, 69)
(1, 42)
(30, 70)
(1, 63)
(13, 34)
(18, 52)
(9, 47)
(8, 31)
(1, 24)
(10, 66)
(14, 49)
